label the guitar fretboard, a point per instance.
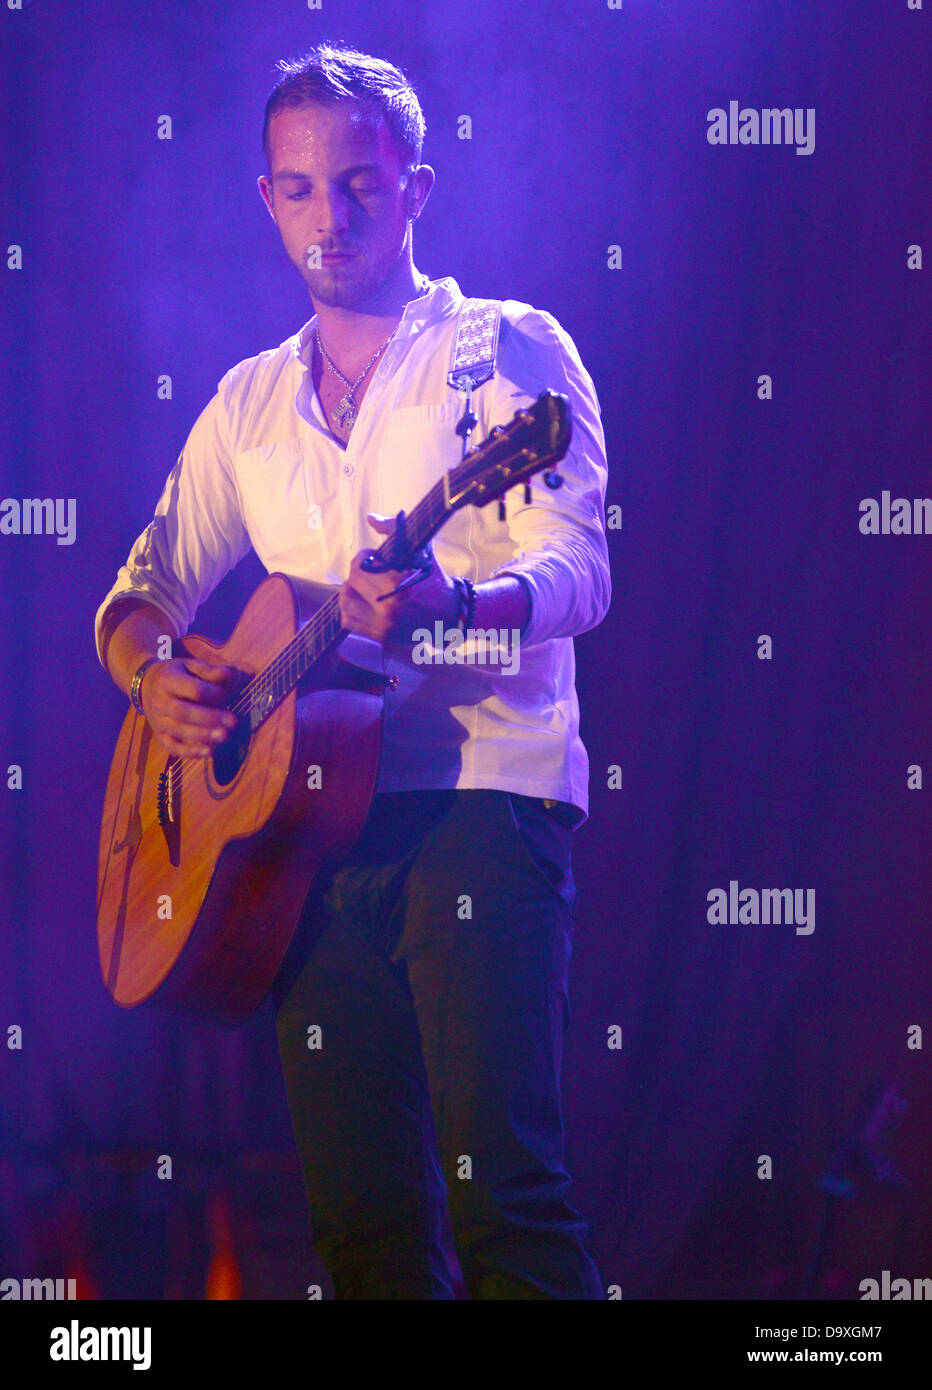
(268, 687)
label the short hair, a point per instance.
(334, 72)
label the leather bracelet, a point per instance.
(462, 601)
(137, 682)
(470, 610)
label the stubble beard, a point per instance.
(339, 290)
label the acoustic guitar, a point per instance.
(205, 863)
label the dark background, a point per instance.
(143, 257)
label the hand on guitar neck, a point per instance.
(364, 611)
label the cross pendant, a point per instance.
(346, 413)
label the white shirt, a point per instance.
(260, 468)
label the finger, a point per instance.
(361, 585)
(199, 693)
(371, 587)
(359, 617)
(197, 742)
(178, 748)
(368, 553)
(214, 695)
(352, 604)
(181, 686)
(206, 670)
(189, 713)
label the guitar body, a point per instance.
(196, 910)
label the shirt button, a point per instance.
(347, 468)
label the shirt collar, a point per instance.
(441, 301)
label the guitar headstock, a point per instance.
(536, 438)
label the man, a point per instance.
(432, 959)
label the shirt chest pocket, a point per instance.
(419, 444)
(289, 502)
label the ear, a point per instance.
(265, 189)
(422, 181)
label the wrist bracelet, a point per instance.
(467, 602)
(137, 682)
(461, 601)
(470, 613)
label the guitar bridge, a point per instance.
(166, 795)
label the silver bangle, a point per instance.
(137, 682)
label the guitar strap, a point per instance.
(472, 360)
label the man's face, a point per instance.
(338, 182)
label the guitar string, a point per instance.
(425, 513)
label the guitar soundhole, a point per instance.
(230, 755)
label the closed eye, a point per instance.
(365, 190)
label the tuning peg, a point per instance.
(527, 494)
(553, 479)
(501, 509)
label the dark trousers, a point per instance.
(421, 1018)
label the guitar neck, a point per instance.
(269, 686)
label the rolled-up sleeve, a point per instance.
(197, 534)
(560, 546)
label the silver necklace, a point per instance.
(347, 411)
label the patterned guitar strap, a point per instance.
(472, 360)
(471, 363)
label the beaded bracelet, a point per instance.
(461, 597)
(466, 609)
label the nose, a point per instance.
(331, 211)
